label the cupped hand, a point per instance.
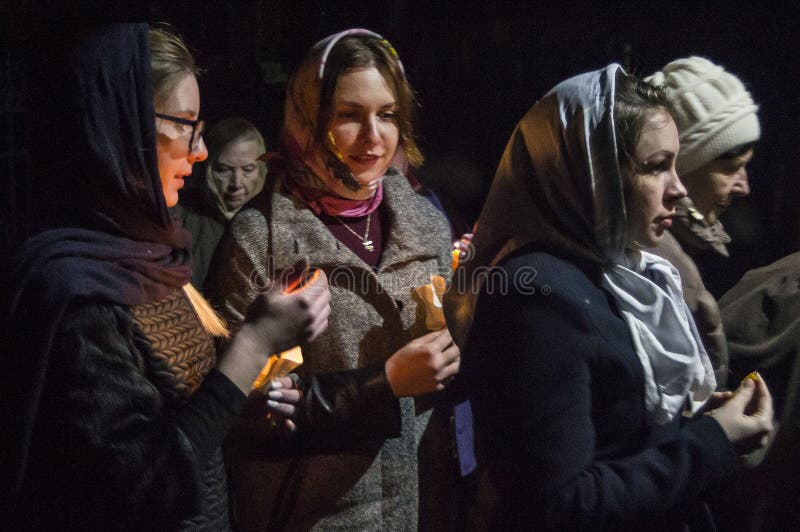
(276, 321)
(281, 321)
(747, 417)
(423, 365)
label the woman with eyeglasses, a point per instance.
(116, 402)
(355, 445)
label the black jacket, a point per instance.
(559, 397)
(126, 437)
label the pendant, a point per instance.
(368, 245)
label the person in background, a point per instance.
(761, 314)
(116, 402)
(594, 398)
(718, 128)
(233, 174)
(367, 450)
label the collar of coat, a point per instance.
(692, 229)
(415, 225)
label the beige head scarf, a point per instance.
(224, 133)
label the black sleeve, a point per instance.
(123, 455)
(338, 408)
(211, 411)
(535, 387)
(356, 402)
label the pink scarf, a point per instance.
(334, 205)
(317, 199)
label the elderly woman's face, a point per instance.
(236, 173)
(363, 131)
(656, 188)
(175, 157)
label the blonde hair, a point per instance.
(211, 321)
(170, 61)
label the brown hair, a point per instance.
(366, 51)
(636, 101)
(170, 61)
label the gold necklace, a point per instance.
(364, 240)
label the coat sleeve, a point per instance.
(534, 381)
(338, 406)
(242, 267)
(123, 456)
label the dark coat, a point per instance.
(559, 397)
(130, 427)
(206, 224)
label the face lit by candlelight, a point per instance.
(656, 188)
(363, 129)
(175, 158)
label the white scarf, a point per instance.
(648, 293)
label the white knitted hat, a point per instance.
(712, 109)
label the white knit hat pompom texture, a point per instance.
(711, 107)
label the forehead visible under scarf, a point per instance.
(302, 104)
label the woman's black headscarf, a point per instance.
(109, 237)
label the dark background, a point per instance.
(477, 68)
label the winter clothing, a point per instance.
(761, 314)
(712, 109)
(363, 475)
(197, 214)
(361, 459)
(558, 393)
(579, 388)
(130, 426)
(689, 232)
(762, 320)
(108, 424)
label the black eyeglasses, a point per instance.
(197, 129)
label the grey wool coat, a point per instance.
(367, 483)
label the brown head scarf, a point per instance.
(558, 186)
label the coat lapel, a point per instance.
(409, 216)
(297, 232)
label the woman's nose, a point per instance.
(200, 153)
(675, 189)
(369, 131)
